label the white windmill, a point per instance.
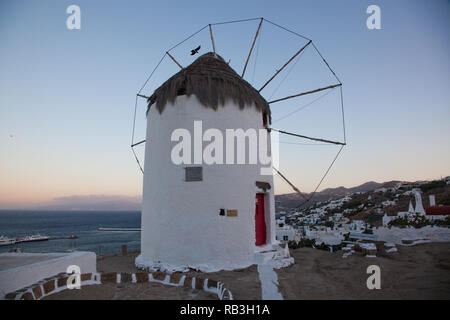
(206, 204)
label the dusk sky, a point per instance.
(67, 96)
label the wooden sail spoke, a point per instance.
(289, 61)
(137, 143)
(251, 49)
(142, 96)
(174, 60)
(288, 182)
(305, 93)
(212, 40)
(309, 138)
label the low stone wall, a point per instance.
(58, 283)
(365, 250)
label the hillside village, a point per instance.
(355, 214)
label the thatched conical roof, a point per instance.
(213, 82)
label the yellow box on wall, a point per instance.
(232, 213)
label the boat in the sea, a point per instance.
(33, 238)
(4, 241)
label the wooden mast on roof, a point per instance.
(212, 40)
(174, 60)
(251, 49)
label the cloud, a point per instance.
(94, 202)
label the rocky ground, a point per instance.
(416, 272)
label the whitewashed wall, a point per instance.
(181, 225)
(23, 273)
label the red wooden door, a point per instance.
(260, 222)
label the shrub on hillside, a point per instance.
(353, 204)
(445, 201)
(303, 243)
(443, 223)
(432, 185)
(416, 221)
(374, 217)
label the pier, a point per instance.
(119, 229)
(72, 236)
(14, 241)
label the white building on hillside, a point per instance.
(284, 232)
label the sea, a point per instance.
(83, 224)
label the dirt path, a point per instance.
(269, 282)
(418, 272)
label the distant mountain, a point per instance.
(293, 200)
(94, 202)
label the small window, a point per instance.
(182, 89)
(285, 238)
(194, 173)
(264, 115)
